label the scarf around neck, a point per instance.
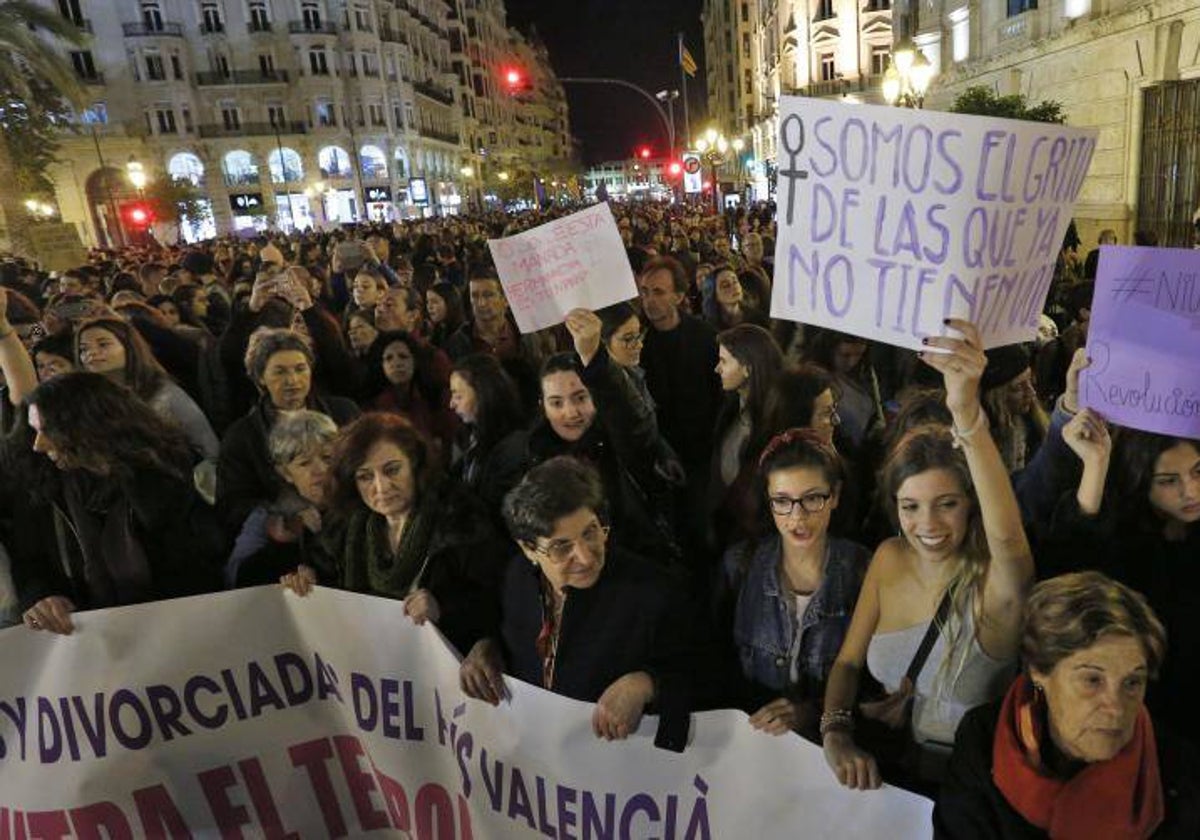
(368, 563)
(1118, 799)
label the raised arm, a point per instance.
(14, 358)
(1010, 569)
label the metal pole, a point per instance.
(687, 124)
(112, 205)
(622, 83)
(283, 176)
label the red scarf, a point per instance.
(1118, 799)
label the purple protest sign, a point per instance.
(1144, 341)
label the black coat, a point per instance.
(246, 477)
(634, 618)
(155, 513)
(971, 807)
(463, 570)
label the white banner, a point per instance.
(576, 261)
(892, 220)
(256, 713)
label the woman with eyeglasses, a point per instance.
(788, 596)
(582, 618)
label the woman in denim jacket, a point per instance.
(792, 593)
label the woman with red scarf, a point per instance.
(1071, 753)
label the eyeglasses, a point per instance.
(633, 339)
(561, 551)
(809, 503)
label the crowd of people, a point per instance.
(934, 565)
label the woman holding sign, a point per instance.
(938, 618)
(1139, 521)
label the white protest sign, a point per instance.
(260, 712)
(892, 220)
(576, 261)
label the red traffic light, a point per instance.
(137, 215)
(644, 153)
(675, 169)
(514, 79)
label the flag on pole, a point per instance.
(686, 61)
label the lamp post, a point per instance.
(318, 191)
(907, 78)
(40, 210)
(136, 174)
(468, 174)
(713, 147)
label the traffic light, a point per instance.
(514, 79)
(137, 215)
(674, 169)
(644, 152)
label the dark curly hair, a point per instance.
(548, 492)
(102, 427)
(498, 407)
(355, 441)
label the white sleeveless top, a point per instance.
(941, 696)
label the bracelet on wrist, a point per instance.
(837, 720)
(962, 436)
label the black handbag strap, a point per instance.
(931, 634)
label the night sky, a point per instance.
(627, 39)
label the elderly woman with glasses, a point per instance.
(583, 619)
(787, 597)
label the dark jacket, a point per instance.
(971, 807)
(154, 515)
(634, 618)
(246, 477)
(463, 570)
(1166, 572)
(623, 444)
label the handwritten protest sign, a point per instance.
(56, 246)
(1144, 340)
(576, 261)
(282, 717)
(892, 220)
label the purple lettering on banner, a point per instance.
(925, 161)
(493, 782)
(164, 702)
(1144, 340)
(567, 818)
(861, 156)
(49, 732)
(93, 726)
(950, 158)
(362, 695)
(262, 693)
(893, 141)
(69, 728)
(825, 145)
(234, 694)
(596, 823)
(295, 678)
(124, 698)
(193, 687)
(16, 714)
(519, 804)
(642, 803)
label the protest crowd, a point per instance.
(936, 566)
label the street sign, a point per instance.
(693, 177)
(378, 194)
(245, 203)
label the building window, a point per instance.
(824, 10)
(1016, 7)
(187, 118)
(310, 13)
(828, 67)
(210, 18)
(879, 5)
(176, 67)
(398, 115)
(746, 44)
(410, 120)
(231, 117)
(71, 11)
(266, 64)
(166, 121)
(362, 19)
(749, 82)
(260, 20)
(221, 65)
(960, 33)
(352, 64)
(152, 16)
(84, 64)
(881, 59)
(276, 116)
(377, 114)
(745, 13)
(318, 62)
(154, 68)
(326, 115)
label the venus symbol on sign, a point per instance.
(793, 144)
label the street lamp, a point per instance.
(137, 174)
(503, 176)
(39, 209)
(713, 147)
(907, 79)
(319, 190)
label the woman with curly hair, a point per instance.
(402, 368)
(131, 526)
